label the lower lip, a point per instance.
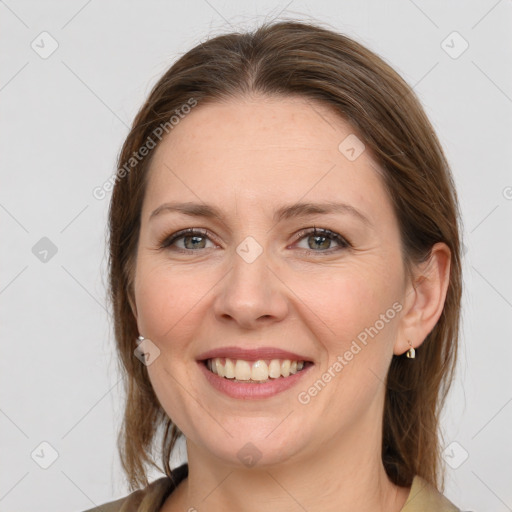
(250, 390)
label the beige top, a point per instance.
(422, 497)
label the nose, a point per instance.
(251, 294)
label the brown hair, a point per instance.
(285, 58)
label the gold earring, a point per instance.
(411, 353)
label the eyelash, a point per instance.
(167, 241)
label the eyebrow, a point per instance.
(282, 213)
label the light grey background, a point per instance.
(63, 119)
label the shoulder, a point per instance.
(142, 500)
(424, 497)
(149, 499)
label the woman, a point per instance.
(286, 280)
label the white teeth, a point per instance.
(221, 372)
(230, 369)
(274, 369)
(257, 371)
(242, 370)
(285, 368)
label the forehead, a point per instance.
(263, 151)
(255, 123)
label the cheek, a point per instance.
(173, 392)
(165, 300)
(356, 326)
(351, 304)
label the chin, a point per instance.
(253, 444)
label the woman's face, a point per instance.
(255, 294)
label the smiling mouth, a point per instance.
(257, 372)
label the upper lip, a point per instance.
(253, 354)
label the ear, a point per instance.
(424, 299)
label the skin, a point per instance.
(248, 156)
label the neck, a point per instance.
(342, 476)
